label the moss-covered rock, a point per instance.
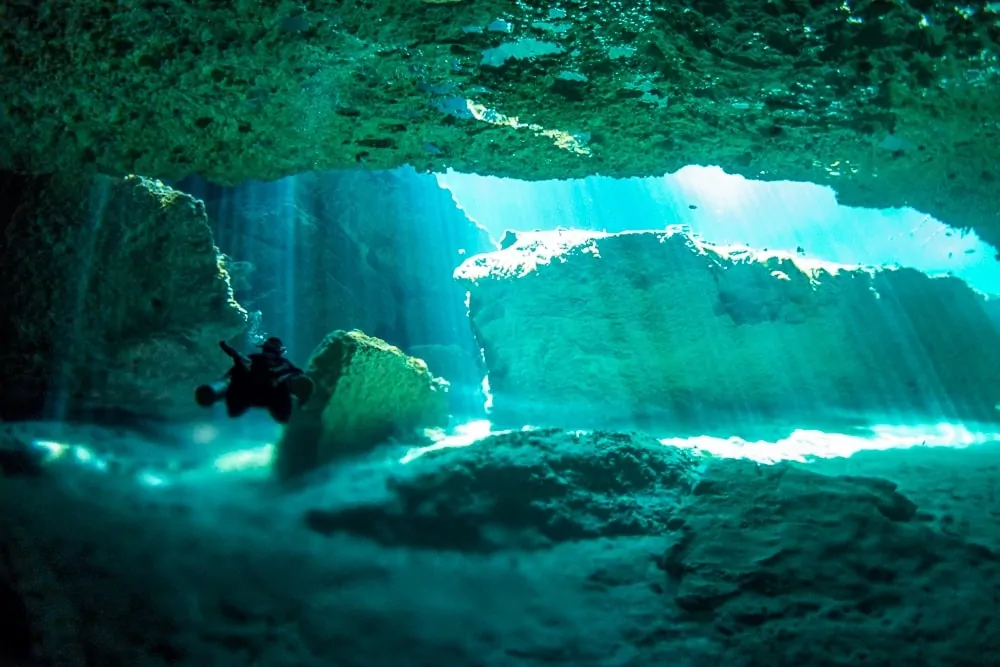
(890, 103)
(658, 328)
(114, 297)
(366, 391)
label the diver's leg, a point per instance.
(236, 402)
(281, 405)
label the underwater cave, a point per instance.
(499, 334)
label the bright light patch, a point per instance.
(52, 450)
(488, 403)
(803, 445)
(58, 452)
(151, 480)
(204, 434)
(727, 193)
(560, 139)
(245, 459)
(462, 436)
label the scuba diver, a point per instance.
(265, 379)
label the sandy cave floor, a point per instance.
(172, 546)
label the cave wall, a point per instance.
(113, 299)
(664, 331)
(372, 250)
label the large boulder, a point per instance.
(779, 564)
(658, 328)
(524, 490)
(890, 104)
(366, 391)
(114, 297)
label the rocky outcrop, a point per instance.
(114, 297)
(779, 564)
(533, 490)
(355, 249)
(527, 548)
(890, 104)
(366, 391)
(660, 329)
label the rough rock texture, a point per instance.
(889, 103)
(371, 250)
(786, 562)
(782, 565)
(530, 490)
(366, 392)
(114, 297)
(545, 547)
(581, 329)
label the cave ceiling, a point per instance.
(892, 103)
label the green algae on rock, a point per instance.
(891, 104)
(115, 297)
(366, 391)
(585, 329)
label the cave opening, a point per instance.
(384, 252)
(377, 250)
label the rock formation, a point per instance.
(366, 392)
(891, 104)
(355, 249)
(527, 548)
(779, 564)
(114, 297)
(659, 329)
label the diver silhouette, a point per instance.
(265, 379)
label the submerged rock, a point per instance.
(526, 548)
(584, 329)
(366, 391)
(524, 490)
(793, 567)
(781, 564)
(114, 297)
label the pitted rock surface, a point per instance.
(891, 104)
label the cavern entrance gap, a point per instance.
(728, 209)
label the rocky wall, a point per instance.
(889, 103)
(658, 329)
(114, 298)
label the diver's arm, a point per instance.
(234, 354)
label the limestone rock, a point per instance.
(463, 370)
(525, 490)
(585, 329)
(502, 554)
(781, 564)
(366, 391)
(784, 90)
(114, 297)
(790, 565)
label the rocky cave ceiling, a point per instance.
(891, 103)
